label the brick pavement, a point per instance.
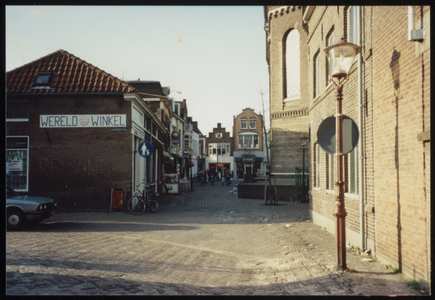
(204, 242)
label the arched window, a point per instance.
(292, 70)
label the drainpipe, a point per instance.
(360, 144)
(411, 21)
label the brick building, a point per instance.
(286, 53)
(387, 189)
(248, 148)
(219, 150)
(73, 133)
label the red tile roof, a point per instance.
(70, 74)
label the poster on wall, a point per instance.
(14, 161)
(15, 165)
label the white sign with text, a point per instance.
(82, 121)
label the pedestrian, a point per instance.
(203, 177)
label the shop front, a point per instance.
(248, 165)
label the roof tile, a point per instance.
(70, 74)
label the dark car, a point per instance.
(23, 208)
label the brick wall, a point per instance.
(399, 115)
(248, 114)
(289, 119)
(322, 23)
(80, 166)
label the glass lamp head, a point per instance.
(342, 55)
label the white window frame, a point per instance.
(353, 30)
(292, 65)
(317, 77)
(27, 160)
(331, 41)
(352, 176)
(221, 149)
(250, 124)
(331, 172)
(242, 137)
(138, 117)
(317, 171)
(244, 124)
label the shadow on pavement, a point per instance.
(101, 226)
(59, 284)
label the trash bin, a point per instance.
(117, 199)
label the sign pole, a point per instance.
(340, 211)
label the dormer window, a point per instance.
(42, 79)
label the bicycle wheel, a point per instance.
(152, 205)
(136, 205)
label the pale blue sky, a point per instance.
(214, 55)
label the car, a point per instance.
(23, 208)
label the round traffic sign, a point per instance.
(145, 149)
(326, 134)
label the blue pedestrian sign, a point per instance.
(145, 149)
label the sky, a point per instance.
(214, 55)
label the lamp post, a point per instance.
(342, 55)
(304, 141)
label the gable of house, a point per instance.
(69, 74)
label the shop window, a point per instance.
(17, 111)
(17, 157)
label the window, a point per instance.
(17, 157)
(252, 123)
(138, 116)
(292, 76)
(330, 64)
(351, 172)
(18, 111)
(316, 75)
(219, 149)
(353, 25)
(331, 171)
(186, 142)
(317, 165)
(42, 79)
(248, 141)
(244, 124)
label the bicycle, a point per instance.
(141, 201)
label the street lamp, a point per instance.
(342, 55)
(304, 141)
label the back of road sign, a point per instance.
(326, 135)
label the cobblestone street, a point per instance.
(205, 242)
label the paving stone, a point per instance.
(199, 243)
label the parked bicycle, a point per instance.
(143, 200)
